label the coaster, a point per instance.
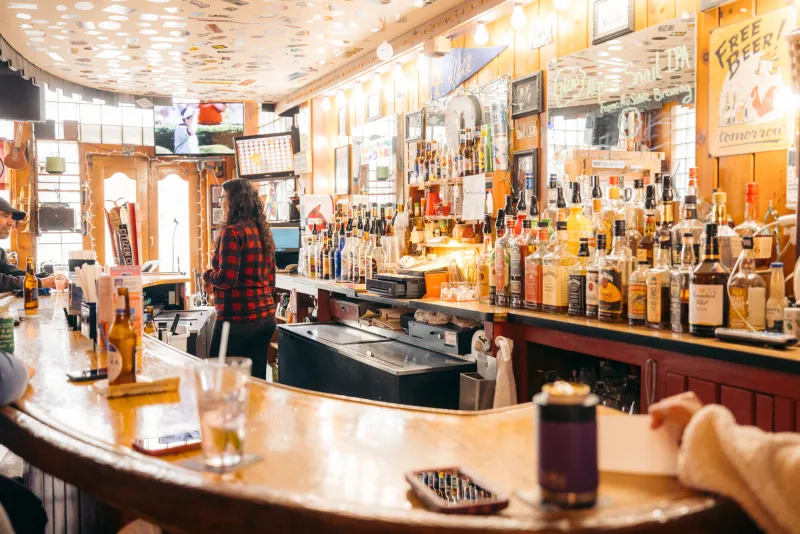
(533, 498)
(144, 386)
(198, 464)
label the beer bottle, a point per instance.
(122, 343)
(30, 288)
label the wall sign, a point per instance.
(452, 70)
(607, 164)
(750, 77)
(541, 33)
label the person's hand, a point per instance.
(31, 371)
(207, 288)
(674, 413)
(48, 282)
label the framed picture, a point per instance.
(526, 161)
(341, 170)
(526, 95)
(610, 19)
(342, 121)
(375, 106)
(415, 125)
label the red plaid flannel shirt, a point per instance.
(242, 275)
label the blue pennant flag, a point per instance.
(452, 70)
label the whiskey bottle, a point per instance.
(485, 261)
(647, 244)
(637, 295)
(476, 153)
(667, 199)
(679, 286)
(577, 225)
(691, 224)
(634, 210)
(748, 292)
(597, 227)
(777, 297)
(462, 147)
(503, 260)
(593, 277)
(521, 248)
(499, 227)
(577, 281)
(613, 211)
(122, 343)
(337, 258)
(468, 157)
(555, 273)
(561, 205)
(658, 302)
(612, 278)
(30, 287)
(762, 239)
(533, 267)
(730, 242)
(708, 297)
(312, 253)
(551, 212)
(522, 213)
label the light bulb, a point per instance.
(561, 5)
(377, 82)
(326, 104)
(481, 35)
(341, 100)
(518, 18)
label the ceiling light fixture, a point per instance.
(518, 18)
(481, 34)
(385, 51)
(326, 104)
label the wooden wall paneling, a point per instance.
(734, 173)
(784, 415)
(707, 392)
(706, 165)
(659, 11)
(686, 7)
(526, 60)
(639, 16)
(318, 139)
(546, 54)
(675, 384)
(740, 402)
(765, 412)
(573, 28)
(736, 11)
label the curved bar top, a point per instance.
(161, 279)
(330, 463)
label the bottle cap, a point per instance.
(613, 180)
(534, 209)
(561, 225)
(638, 183)
(688, 235)
(584, 240)
(644, 262)
(751, 188)
(719, 197)
(658, 177)
(619, 228)
(690, 199)
(543, 223)
(526, 223)
(776, 265)
(601, 241)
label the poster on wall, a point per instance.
(449, 71)
(750, 91)
(316, 209)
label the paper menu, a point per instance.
(474, 197)
(626, 444)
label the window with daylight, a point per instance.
(62, 189)
(173, 225)
(565, 134)
(682, 145)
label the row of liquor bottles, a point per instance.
(476, 154)
(352, 249)
(636, 279)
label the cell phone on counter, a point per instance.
(88, 375)
(172, 444)
(452, 490)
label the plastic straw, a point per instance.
(223, 342)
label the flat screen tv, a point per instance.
(204, 129)
(20, 100)
(260, 157)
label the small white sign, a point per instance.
(608, 164)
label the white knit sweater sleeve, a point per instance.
(757, 469)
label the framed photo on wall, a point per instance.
(415, 125)
(527, 95)
(526, 161)
(375, 106)
(342, 121)
(610, 19)
(341, 170)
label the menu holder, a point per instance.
(144, 386)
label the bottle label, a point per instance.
(591, 288)
(735, 245)
(551, 285)
(762, 247)
(114, 363)
(706, 304)
(641, 255)
(499, 268)
(533, 283)
(610, 291)
(653, 299)
(492, 272)
(737, 313)
(637, 301)
(757, 303)
(34, 294)
(577, 294)
(517, 267)
(483, 279)
(774, 315)
(675, 299)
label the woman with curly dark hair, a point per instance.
(242, 275)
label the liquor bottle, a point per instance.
(634, 210)
(312, 253)
(434, 160)
(480, 150)
(477, 150)
(593, 277)
(730, 242)
(613, 211)
(667, 197)
(323, 257)
(364, 254)
(443, 168)
(122, 343)
(689, 224)
(355, 251)
(658, 301)
(533, 212)
(488, 149)
(658, 183)
(462, 147)
(637, 295)
(708, 296)
(499, 227)
(612, 278)
(551, 212)
(762, 239)
(679, 286)
(777, 297)
(701, 206)
(376, 258)
(578, 226)
(748, 292)
(344, 274)
(577, 280)
(484, 261)
(561, 205)
(597, 226)
(302, 257)
(555, 273)
(416, 163)
(522, 214)
(521, 247)
(333, 244)
(468, 155)
(339, 254)
(502, 260)
(533, 267)
(30, 287)
(644, 251)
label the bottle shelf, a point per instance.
(451, 244)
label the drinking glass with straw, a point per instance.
(221, 386)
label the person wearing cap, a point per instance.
(185, 136)
(12, 277)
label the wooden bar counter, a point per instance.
(330, 464)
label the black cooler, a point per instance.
(338, 359)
